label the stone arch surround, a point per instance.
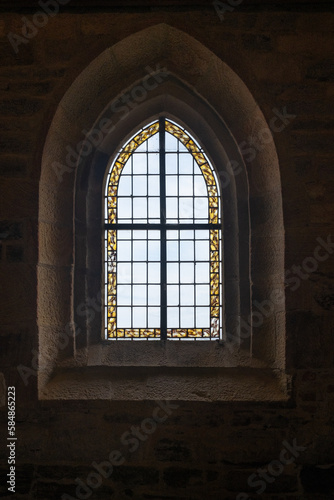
(223, 93)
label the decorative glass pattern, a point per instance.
(163, 239)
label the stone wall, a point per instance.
(196, 450)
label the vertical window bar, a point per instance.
(163, 289)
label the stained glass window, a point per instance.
(163, 276)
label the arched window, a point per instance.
(163, 276)
(75, 225)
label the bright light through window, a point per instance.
(163, 239)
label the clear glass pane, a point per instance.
(139, 272)
(186, 250)
(154, 235)
(140, 185)
(200, 188)
(139, 165)
(202, 234)
(153, 251)
(201, 208)
(139, 250)
(139, 208)
(124, 208)
(139, 317)
(202, 272)
(153, 185)
(127, 169)
(153, 295)
(187, 317)
(185, 185)
(153, 143)
(172, 235)
(153, 273)
(202, 317)
(142, 148)
(187, 234)
(124, 317)
(186, 208)
(186, 163)
(124, 251)
(172, 250)
(124, 295)
(124, 235)
(187, 272)
(172, 273)
(173, 317)
(202, 295)
(171, 163)
(171, 142)
(154, 208)
(171, 185)
(187, 295)
(182, 148)
(139, 295)
(153, 317)
(171, 208)
(139, 234)
(202, 250)
(153, 163)
(124, 272)
(173, 295)
(124, 186)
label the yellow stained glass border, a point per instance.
(119, 164)
(213, 198)
(204, 166)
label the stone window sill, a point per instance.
(191, 371)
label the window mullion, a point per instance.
(163, 264)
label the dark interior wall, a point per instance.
(284, 54)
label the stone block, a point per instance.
(54, 296)
(55, 244)
(306, 338)
(261, 43)
(177, 477)
(167, 450)
(135, 475)
(316, 142)
(63, 27)
(18, 294)
(3, 394)
(10, 230)
(60, 472)
(322, 71)
(13, 53)
(317, 479)
(14, 143)
(277, 22)
(14, 253)
(16, 346)
(322, 213)
(21, 106)
(13, 165)
(33, 88)
(312, 44)
(242, 418)
(21, 198)
(316, 21)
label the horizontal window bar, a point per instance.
(162, 226)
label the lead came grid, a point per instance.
(135, 272)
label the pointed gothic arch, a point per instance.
(220, 116)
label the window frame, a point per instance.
(211, 100)
(213, 224)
